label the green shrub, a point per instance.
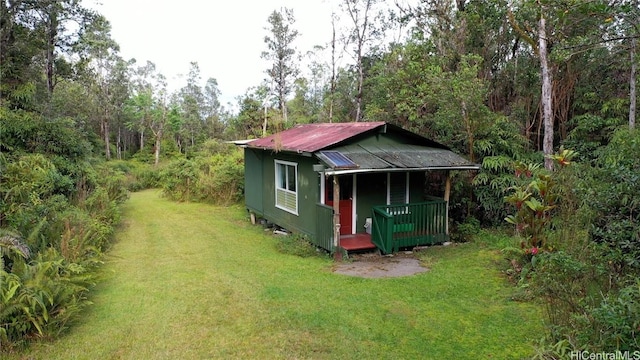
(466, 230)
(113, 183)
(614, 324)
(137, 175)
(590, 133)
(297, 245)
(496, 174)
(222, 178)
(593, 250)
(612, 192)
(145, 177)
(217, 179)
(179, 180)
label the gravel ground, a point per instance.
(377, 266)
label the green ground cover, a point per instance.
(195, 281)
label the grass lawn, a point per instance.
(194, 281)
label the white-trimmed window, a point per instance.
(287, 186)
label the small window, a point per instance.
(286, 186)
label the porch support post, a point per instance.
(447, 193)
(337, 251)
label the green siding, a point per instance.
(308, 185)
(253, 173)
(416, 186)
(372, 191)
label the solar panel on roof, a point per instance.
(337, 160)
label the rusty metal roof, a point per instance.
(401, 157)
(418, 153)
(313, 137)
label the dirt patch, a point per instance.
(378, 266)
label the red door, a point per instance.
(345, 202)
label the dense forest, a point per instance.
(541, 93)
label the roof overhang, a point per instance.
(392, 158)
(362, 171)
(240, 143)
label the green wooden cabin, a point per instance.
(379, 173)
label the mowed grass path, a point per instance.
(194, 281)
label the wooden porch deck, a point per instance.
(356, 242)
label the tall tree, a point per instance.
(361, 32)
(17, 48)
(281, 53)
(630, 14)
(105, 75)
(160, 116)
(141, 102)
(332, 82)
(192, 105)
(545, 97)
(565, 31)
(632, 86)
(443, 23)
(316, 86)
(212, 107)
(50, 26)
(148, 106)
(56, 19)
(302, 103)
(540, 48)
(248, 124)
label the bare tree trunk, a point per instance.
(332, 91)
(632, 86)
(119, 144)
(51, 46)
(157, 148)
(470, 136)
(285, 115)
(546, 98)
(7, 18)
(264, 124)
(360, 35)
(359, 93)
(158, 135)
(125, 144)
(107, 145)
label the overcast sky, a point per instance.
(225, 38)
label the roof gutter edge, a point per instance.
(360, 171)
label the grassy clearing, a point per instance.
(193, 281)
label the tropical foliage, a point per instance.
(501, 82)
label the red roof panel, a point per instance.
(313, 137)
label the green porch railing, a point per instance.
(324, 227)
(407, 225)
